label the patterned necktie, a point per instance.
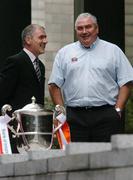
(37, 68)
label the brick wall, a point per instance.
(129, 29)
(58, 18)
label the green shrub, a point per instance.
(129, 115)
(49, 104)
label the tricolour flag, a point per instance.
(5, 147)
(63, 135)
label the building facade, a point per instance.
(129, 29)
(58, 18)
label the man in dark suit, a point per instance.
(19, 80)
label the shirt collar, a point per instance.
(92, 45)
(30, 54)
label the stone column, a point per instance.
(58, 18)
(129, 29)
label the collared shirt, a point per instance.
(91, 76)
(31, 56)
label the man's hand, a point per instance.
(119, 111)
(59, 115)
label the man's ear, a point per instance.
(28, 40)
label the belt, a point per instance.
(90, 107)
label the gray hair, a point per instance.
(28, 31)
(84, 15)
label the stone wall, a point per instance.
(129, 29)
(80, 161)
(58, 18)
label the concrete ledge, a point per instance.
(111, 159)
(13, 158)
(82, 161)
(122, 141)
(6, 170)
(81, 148)
(67, 163)
(31, 155)
(30, 168)
(36, 155)
(108, 174)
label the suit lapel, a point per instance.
(31, 67)
(29, 64)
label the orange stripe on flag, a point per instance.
(66, 132)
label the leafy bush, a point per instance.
(129, 115)
(49, 104)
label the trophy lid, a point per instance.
(32, 107)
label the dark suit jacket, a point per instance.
(18, 83)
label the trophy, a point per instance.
(34, 126)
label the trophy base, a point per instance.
(33, 147)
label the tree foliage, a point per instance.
(129, 115)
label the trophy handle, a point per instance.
(7, 109)
(20, 128)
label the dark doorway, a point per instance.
(110, 15)
(14, 16)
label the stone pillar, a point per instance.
(58, 18)
(129, 29)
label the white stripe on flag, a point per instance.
(63, 139)
(6, 147)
